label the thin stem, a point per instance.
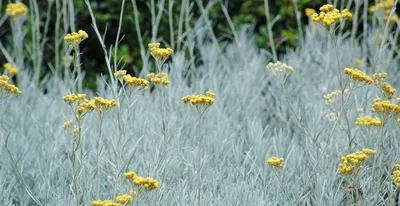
(199, 161)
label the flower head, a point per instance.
(275, 162)
(396, 176)
(156, 78)
(201, 102)
(10, 69)
(75, 38)
(159, 54)
(16, 10)
(352, 163)
(7, 87)
(135, 83)
(358, 75)
(279, 67)
(309, 11)
(368, 121)
(329, 15)
(147, 182)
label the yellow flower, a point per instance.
(75, 38)
(309, 11)
(368, 121)
(67, 124)
(155, 78)
(120, 74)
(16, 9)
(329, 15)
(102, 105)
(11, 70)
(201, 102)
(135, 83)
(275, 162)
(124, 199)
(148, 183)
(385, 107)
(396, 176)
(358, 75)
(8, 88)
(352, 163)
(159, 54)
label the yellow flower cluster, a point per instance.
(368, 121)
(8, 88)
(11, 70)
(275, 162)
(119, 200)
(104, 104)
(309, 11)
(155, 78)
(352, 162)
(147, 182)
(379, 79)
(381, 5)
(67, 124)
(279, 67)
(396, 176)
(125, 199)
(76, 38)
(84, 105)
(384, 107)
(200, 99)
(329, 15)
(358, 75)
(16, 9)
(159, 53)
(335, 96)
(120, 74)
(134, 82)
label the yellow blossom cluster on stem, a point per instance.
(396, 176)
(328, 15)
(75, 38)
(10, 69)
(358, 75)
(352, 163)
(275, 162)
(16, 10)
(200, 101)
(385, 107)
(279, 67)
(119, 200)
(335, 96)
(155, 78)
(159, 54)
(146, 182)
(309, 11)
(103, 105)
(83, 105)
(120, 74)
(368, 121)
(134, 82)
(7, 87)
(387, 4)
(67, 124)
(379, 79)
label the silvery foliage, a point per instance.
(250, 121)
